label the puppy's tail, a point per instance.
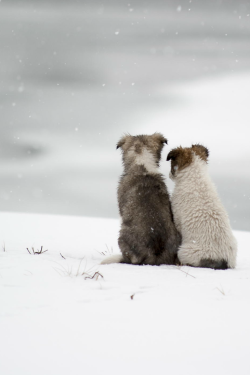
(116, 258)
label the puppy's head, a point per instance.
(181, 157)
(141, 149)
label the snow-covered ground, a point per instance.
(126, 319)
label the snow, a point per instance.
(134, 319)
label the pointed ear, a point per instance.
(201, 151)
(160, 138)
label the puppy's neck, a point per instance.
(146, 159)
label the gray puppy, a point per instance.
(148, 234)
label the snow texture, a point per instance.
(127, 320)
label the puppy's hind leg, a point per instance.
(219, 264)
(116, 258)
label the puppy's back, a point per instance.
(207, 237)
(148, 234)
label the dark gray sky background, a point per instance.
(75, 74)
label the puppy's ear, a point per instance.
(173, 154)
(165, 141)
(122, 141)
(160, 138)
(201, 151)
(180, 157)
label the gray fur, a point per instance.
(148, 234)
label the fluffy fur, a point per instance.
(207, 239)
(148, 234)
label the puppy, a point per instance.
(148, 234)
(207, 239)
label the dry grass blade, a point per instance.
(108, 251)
(187, 274)
(221, 290)
(70, 270)
(94, 276)
(41, 251)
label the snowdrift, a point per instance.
(62, 312)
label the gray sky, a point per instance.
(75, 74)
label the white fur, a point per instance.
(116, 258)
(146, 158)
(200, 217)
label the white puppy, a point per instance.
(207, 239)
